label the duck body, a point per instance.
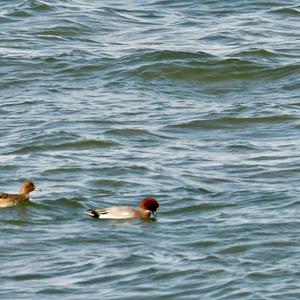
(147, 209)
(7, 200)
(11, 199)
(115, 212)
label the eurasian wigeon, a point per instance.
(13, 199)
(148, 207)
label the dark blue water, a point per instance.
(195, 103)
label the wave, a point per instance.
(134, 133)
(189, 66)
(66, 29)
(77, 145)
(150, 64)
(27, 8)
(233, 122)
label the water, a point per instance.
(193, 102)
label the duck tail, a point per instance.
(92, 213)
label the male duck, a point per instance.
(148, 207)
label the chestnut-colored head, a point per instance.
(149, 204)
(27, 187)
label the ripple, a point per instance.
(18, 13)
(4, 19)
(36, 6)
(199, 208)
(29, 277)
(70, 29)
(258, 54)
(67, 202)
(234, 122)
(290, 11)
(203, 244)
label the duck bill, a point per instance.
(153, 213)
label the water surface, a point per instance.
(195, 103)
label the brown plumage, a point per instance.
(149, 204)
(13, 199)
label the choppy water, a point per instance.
(193, 102)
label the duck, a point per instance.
(147, 210)
(14, 199)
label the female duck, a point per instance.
(148, 207)
(13, 199)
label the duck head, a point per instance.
(149, 204)
(27, 187)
